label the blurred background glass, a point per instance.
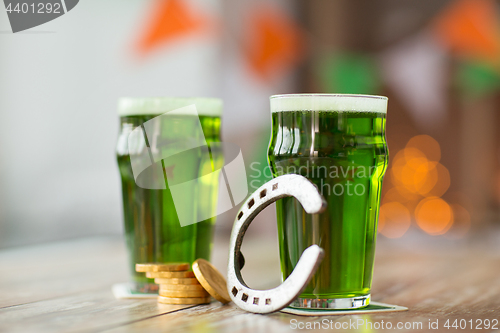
(438, 61)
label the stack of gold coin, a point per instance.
(178, 284)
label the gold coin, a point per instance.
(183, 293)
(169, 275)
(181, 287)
(212, 280)
(176, 281)
(162, 267)
(191, 300)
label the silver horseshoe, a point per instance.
(266, 301)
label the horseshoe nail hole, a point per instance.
(251, 203)
(240, 215)
(244, 297)
(268, 301)
(256, 300)
(234, 291)
(275, 186)
(263, 193)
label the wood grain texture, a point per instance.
(88, 311)
(66, 287)
(36, 273)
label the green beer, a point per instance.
(153, 232)
(338, 142)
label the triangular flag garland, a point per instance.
(273, 42)
(415, 69)
(170, 20)
(349, 73)
(471, 28)
(476, 79)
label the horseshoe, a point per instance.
(267, 301)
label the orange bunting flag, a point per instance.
(168, 21)
(471, 28)
(273, 42)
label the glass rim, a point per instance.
(328, 96)
(137, 106)
(328, 103)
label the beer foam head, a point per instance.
(160, 105)
(328, 102)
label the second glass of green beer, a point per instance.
(338, 142)
(153, 230)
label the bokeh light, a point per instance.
(399, 194)
(427, 145)
(425, 177)
(443, 182)
(417, 182)
(434, 216)
(394, 219)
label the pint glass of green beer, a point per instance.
(338, 142)
(156, 127)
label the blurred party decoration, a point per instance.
(398, 20)
(350, 73)
(273, 42)
(417, 183)
(169, 21)
(477, 79)
(470, 28)
(415, 70)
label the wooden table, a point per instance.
(66, 287)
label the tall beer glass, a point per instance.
(338, 142)
(153, 231)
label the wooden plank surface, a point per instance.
(35, 273)
(66, 287)
(436, 284)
